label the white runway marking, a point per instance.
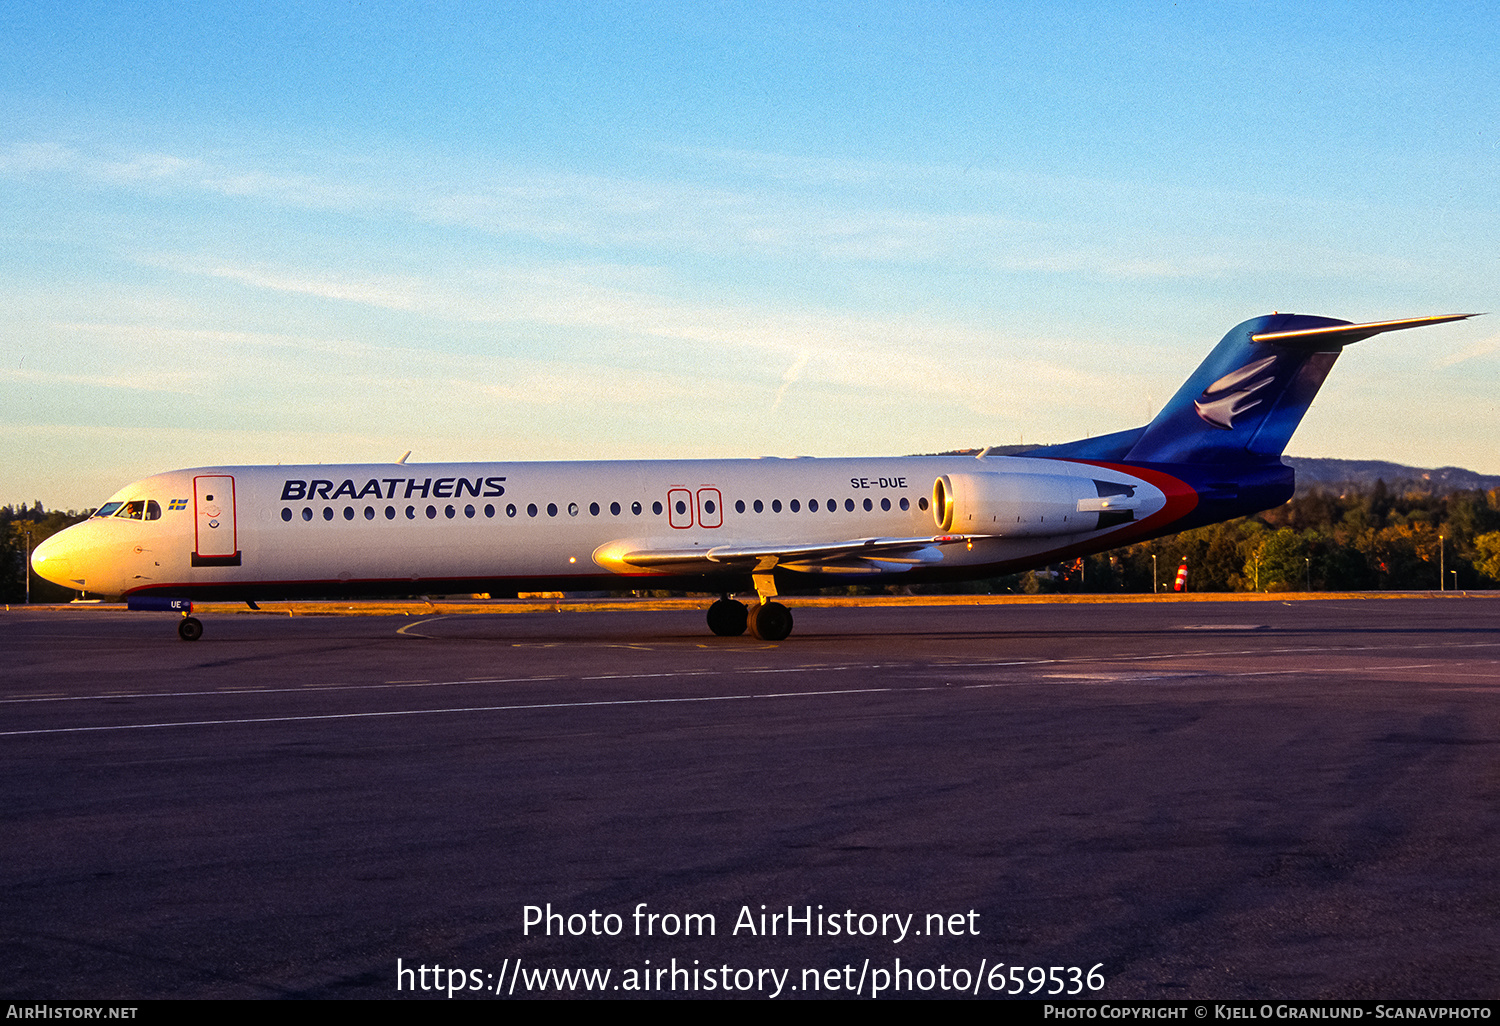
(482, 709)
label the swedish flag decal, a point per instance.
(177, 504)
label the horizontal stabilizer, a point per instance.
(1346, 334)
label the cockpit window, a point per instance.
(132, 509)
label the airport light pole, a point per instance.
(1155, 587)
(1308, 561)
(1442, 569)
(26, 566)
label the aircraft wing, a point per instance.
(855, 556)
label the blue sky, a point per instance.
(334, 232)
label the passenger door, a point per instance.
(215, 537)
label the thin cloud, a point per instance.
(761, 218)
(1477, 351)
(176, 382)
(790, 378)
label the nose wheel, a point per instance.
(190, 629)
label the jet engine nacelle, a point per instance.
(1029, 505)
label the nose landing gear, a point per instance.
(190, 629)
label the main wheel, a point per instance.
(771, 621)
(190, 629)
(727, 618)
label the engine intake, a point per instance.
(1029, 505)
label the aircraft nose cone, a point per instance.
(53, 560)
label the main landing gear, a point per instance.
(770, 621)
(728, 618)
(765, 619)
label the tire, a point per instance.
(727, 618)
(190, 629)
(771, 621)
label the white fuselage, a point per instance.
(408, 528)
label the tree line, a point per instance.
(22, 529)
(1358, 539)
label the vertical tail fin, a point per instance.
(1244, 401)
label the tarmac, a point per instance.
(1205, 798)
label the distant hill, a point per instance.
(1336, 475)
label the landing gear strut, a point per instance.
(190, 629)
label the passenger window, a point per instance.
(431, 512)
(552, 509)
(635, 508)
(348, 512)
(849, 505)
(739, 505)
(448, 512)
(869, 505)
(885, 504)
(759, 506)
(327, 512)
(411, 512)
(306, 512)
(812, 505)
(469, 512)
(775, 505)
(510, 509)
(656, 508)
(390, 512)
(614, 509)
(531, 509)
(572, 509)
(593, 509)
(369, 512)
(796, 507)
(922, 504)
(489, 510)
(833, 505)
(905, 505)
(286, 513)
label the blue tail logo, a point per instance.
(1236, 393)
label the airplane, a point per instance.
(728, 526)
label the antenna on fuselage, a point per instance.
(403, 458)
